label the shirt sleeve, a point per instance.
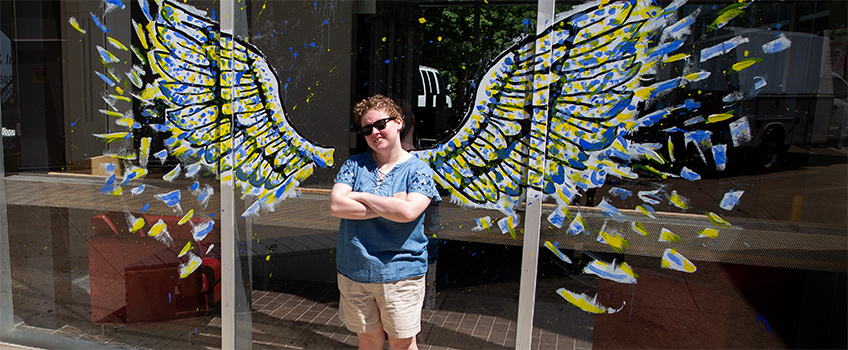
(346, 174)
(422, 182)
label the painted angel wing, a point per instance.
(598, 55)
(220, 101)
(484, 164)
(604, 54)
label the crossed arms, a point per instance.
(402, 207)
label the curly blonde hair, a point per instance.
(378, 102)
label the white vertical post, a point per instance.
(229, 260)
(535, 178)
(6, 306)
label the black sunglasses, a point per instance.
(380, 125)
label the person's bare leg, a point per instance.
(403, 343)
(372, 340)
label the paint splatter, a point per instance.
(75, 24)
(730, 199)
(621, 273)
(554, 248)
(777, 45)
(708, 232)
(673, 260)
(616, 241)
(639, 228)
(667, 236)
(717, 220)
(586, 303)
(577, 226)
(188, 267)
(740, 132)
(726, 14)
(723, 48)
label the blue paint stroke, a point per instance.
(557, 217)
(720, 156)
(116, 3)
(145, 8)
(730, 199)
(763, 319)
(171, 198)
(105, 79)
(96, 20)
(723, 48)
(690, 175)
(611, 211)
(620, 192)
(777, 45)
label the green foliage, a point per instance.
(460, 41)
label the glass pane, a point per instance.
(327, 57)
(112, 191)
(690, 214)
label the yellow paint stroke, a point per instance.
(268, 258)
(119, 97)
(186, 217)
(615, 241)
(137, 224)
(422, 20)
(708, 232)
(746, 63)
(117, 44)
(655, 171)
(715, 118)
(627, 269)
(185, 250)
(139, 31)
(667, 236)
(75, 24)
(111, 113)
(642, 209)
(157, 229)
(727, 14)
(585, 303)
(677, 57)
(639, 228)
(119, 191)
(510, 225)
(484, 223)
(190, 266)
(260, 12)
(144, 151)
(670, 150)
(717, 220)
(112, 137)
(678, 201)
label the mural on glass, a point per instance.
(219, 100)
(220, 103)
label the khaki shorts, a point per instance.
(395, 305)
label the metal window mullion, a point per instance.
(535, 178)
(229, 258)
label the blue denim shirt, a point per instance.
(380, 250)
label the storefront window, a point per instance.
(167, 168)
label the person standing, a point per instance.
(380, 196)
